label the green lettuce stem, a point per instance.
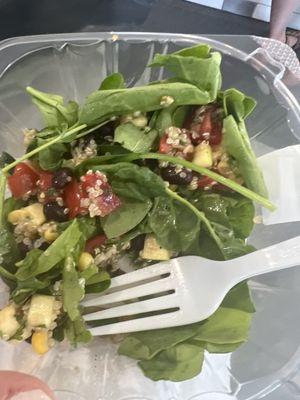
(42, 147)
(216, 177)
(2, 194)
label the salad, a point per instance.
(131, 177)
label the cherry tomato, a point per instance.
(93, 180)
(45, 181)
(22, 181)
(94, 242)
(107, 202)
(164, 147)
(72, 197)
(204, 181)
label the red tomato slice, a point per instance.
(94, 242)
(92, 180)
(107, 202)
(72, 197)
(164, 147)
(22, 181)
(204, 181)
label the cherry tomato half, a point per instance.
(94, 242)
(72, 197)
(22, 181)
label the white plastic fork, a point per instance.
(191, 288)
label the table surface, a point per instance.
(31, 17)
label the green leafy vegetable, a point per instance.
(103, 104)
(237, 145)
(135, 139)
(55, 253)
(98, 282)
(197, 65)
(51, 158)
(238, 105)
(125, 218)
(76, 331)
(113, 81)
(73, 289)
(52, 108)
(181, 362)
(175, 226)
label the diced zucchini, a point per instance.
(203, 155)
(8, 322)
(153, 251)
(41, 311)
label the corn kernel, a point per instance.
(50, 235)
(39, 342)
(85, 261)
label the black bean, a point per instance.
(61, 178)
(55, 212)
(182, 177)
(137, 243)
(23, 248)
(44, 246)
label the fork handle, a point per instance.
(274, 258)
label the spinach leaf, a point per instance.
(73, 289)
(76, 332)
(180, 115)
(113, 81)
(222, 348)
(103, 104)
(133, 182)
(181, 362)
(55, 253)
(164, 119)
(9, 251)
(226, 325)
(175, 226)
(135, 139)
(237, 145)
(27, 288)
(51, 158)
(52, 108)
(198, 66)
(125, 218)
(238, 105)
(5, 159)
(145, 345)
(98, 282)
(239, 298)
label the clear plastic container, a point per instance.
(268, 365)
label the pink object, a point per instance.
(12, 383)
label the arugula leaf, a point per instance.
(135, 139)
(125, 218)
(51, 158)
(73, 289)
(237, 145)
(55, 253)
(175, 226)
(113, 81)
(198, 66)
(52, 108)
(76, 332)
(183, 361)
(103, 104)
